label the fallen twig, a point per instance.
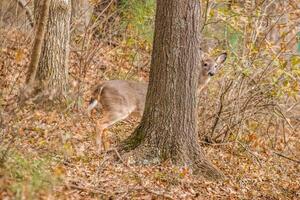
(251, 153)
(286, 157)
(87, 189)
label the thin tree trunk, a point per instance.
(28, 90)
(168, 129)
(38, 42)
(52, 71)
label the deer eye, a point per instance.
(205, 64)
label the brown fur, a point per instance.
(121, 98)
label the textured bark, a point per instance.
(168, 129)
(52, 72)
(38, 42)
(29, 89)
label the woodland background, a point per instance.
(249, 115)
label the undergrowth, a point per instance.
(138, 20)
(26, 175)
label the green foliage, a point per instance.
(234, 37)
(28, 175)
(247, 42)
(138, 20)
(262, 66)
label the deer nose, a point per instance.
(211, 73)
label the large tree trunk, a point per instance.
(52, 71)
(168, 129)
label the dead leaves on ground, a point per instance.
(65, 138)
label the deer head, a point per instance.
(209, 67)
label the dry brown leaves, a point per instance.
(66, 137)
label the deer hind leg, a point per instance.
(109, 118)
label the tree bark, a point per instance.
(168, 129)
(52, 71)
(38, 42)
(30, 84)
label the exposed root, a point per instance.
(145, 153)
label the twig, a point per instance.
(218, 115)
(216, 144)
(205, 15)
(28, 12)
(248, 150)
(291, 159)
(86, 189)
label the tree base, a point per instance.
(144, 152)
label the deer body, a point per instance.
(121, 98)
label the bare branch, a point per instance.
(28, 12)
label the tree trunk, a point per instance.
(168, 129)
(38, 42)
(52, 71)
(30, 84)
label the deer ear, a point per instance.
(221, 58)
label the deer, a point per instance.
(121, 98)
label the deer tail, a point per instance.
(95, 97)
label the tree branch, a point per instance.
(28, 12)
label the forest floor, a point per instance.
(49, 152)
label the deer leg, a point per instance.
(108, 119)
(99, 135)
